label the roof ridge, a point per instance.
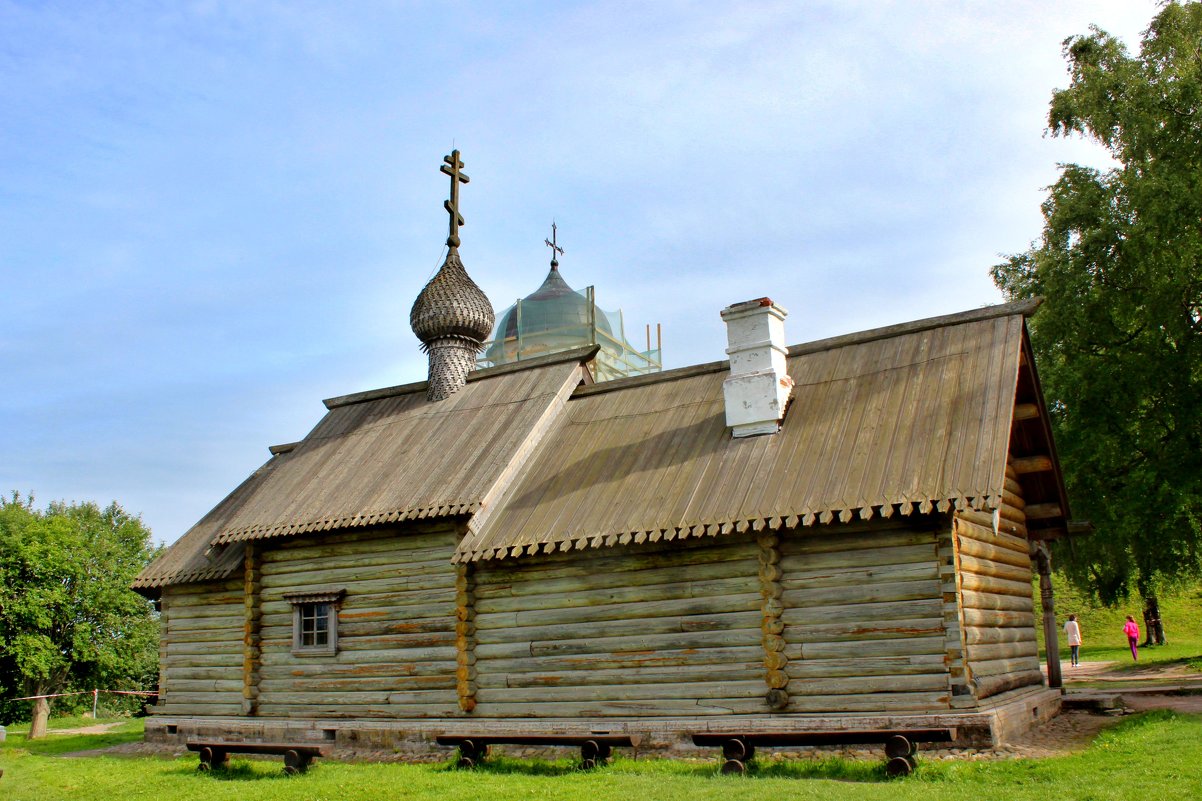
(580, 354)
(1023, 307)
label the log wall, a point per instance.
(669, 629)
(863, 614)
(997, 608)
(202, 629)
(396, 652)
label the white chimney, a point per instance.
(758, 387)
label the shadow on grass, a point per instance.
(59, 745)
(241, 770)
(834, 768)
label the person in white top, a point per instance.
(1073, 632)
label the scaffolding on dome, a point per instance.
(563, 319)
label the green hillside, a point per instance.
(1102, 628)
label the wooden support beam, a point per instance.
(1031, 464)
(1043, 511)
(1025, 411)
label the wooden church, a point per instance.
(831, 535)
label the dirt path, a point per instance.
(99, 728)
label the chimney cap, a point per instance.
(759, 305)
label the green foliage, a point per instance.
(1118, 340)
(1101, 627)
(68, 619)
(127, 731)
(1146, 756)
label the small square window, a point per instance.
(315, 622)
(314, 625)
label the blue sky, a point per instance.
(213, 215)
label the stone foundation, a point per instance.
(997, 721)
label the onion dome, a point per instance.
(553, 307)
(451, 305)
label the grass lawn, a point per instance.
(1102, 628)
(1156, 755)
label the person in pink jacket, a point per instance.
(1131, 629)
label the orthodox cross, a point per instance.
(452, 168)
(553, 243)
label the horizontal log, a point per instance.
(854, 685)
(178, 604)
(191, 684)
(927, 568)
(331, 698)
(1003, 651)
(860, 537)
(1025, 411)
(991, 618)
(206, 698)
(987, 567)
(905, 554)
(192, 615)
(227, 672)
(352, 620)
(976, 548)
(327, 670)
(231, 646)
(989, 636)
(882, 592)
(998, 667)
(387, 575)
(797, 629)
(749, 620)
(622, 580)
(379, 595)
(489, 678)
(359, 711)
(282, 655)
(203, 660)
(610, 645)
(339, 686)
(1025, 465)
(198, 709)
(631, 661)
(1044, 511)
(994, 685)
(863, 612)
(880, 703)
(277, 572)
(602, 709)
(677, 607)
(995, 586)
(666, 556)
(422, 549)
(225, 622)
(370, 629)
(485, 604)
(621, 692)
(867, 666)
(1013, 500)
(933, 643)
(1012, 519)
(1008, 603)
(982, 529)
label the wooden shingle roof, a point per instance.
(380, 457)
(910, 418)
